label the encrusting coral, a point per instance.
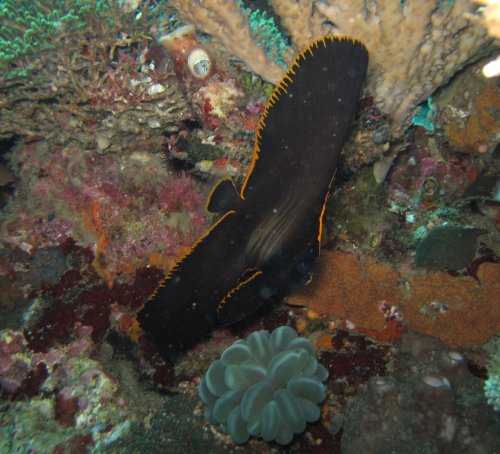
(460, 311)
(415, 47)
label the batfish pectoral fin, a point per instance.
(249, 294)
(224, 197)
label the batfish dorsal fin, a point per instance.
(306, 120)
(224, 197)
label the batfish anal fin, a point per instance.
(224, 197)
(305, 266)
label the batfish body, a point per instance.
(270, 229)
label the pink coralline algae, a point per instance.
(128, 209)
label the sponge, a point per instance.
(269, 386)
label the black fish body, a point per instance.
(271, 228)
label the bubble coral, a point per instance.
(268, 386)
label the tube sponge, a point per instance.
(269, 386)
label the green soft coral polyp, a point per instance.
(269, 386)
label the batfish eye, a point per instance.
(199, 63)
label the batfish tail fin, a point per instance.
(184, 306)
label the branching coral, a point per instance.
(28, 26)
(414, 46)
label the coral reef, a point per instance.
(228, 24)
(428, 177)
(440, 41)
(109, 140)
(88, 114)
(430, 403)
(227, 108)
(34, 29)
(467, 113)
(351, 359)
(377, 298)
(478, 130)
(92, 119)
(424, 182)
